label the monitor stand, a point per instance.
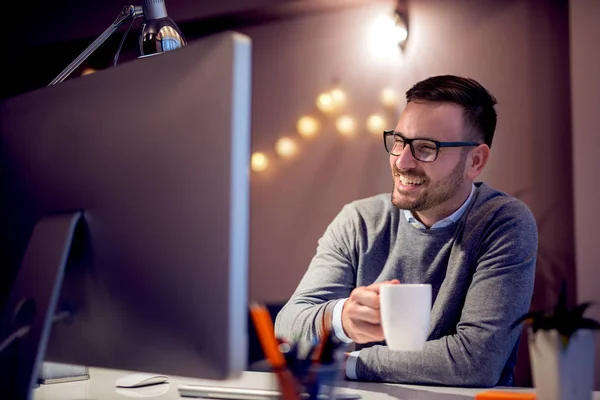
(30, 309)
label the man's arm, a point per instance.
(330, 277)
(500, 291)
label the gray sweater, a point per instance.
(481, 269)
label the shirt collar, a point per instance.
(449, 220)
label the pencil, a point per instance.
(266, 334)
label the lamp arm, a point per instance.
(127, 13)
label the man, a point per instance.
(475, 245)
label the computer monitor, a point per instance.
(137, 179)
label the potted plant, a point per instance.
(561, 347)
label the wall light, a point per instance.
(307, 126)
(259, 162)
(400, 29)
(388, 32)
(345, 125)
(286, 147)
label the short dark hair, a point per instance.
(477, 102)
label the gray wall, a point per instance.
(585, 86)
(518, 49)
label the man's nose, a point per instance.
(406, 160)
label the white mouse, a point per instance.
(140, 379)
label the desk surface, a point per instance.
(101, 386)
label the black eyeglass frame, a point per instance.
(438, 144)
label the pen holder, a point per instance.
(321, 380)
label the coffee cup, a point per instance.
(405, 310)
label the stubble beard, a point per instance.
(431, 196)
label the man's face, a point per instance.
(430, 186)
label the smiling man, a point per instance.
(475, 245)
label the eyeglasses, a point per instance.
(425, 150)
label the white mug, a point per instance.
(405, 310)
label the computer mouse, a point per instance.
(140, 379)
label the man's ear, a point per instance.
(476, 160)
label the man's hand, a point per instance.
(361, 319)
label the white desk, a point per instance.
(101, 386)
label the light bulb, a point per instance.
(388, 97)
(401, 31)
(375, 124)
(87, 71)
(307, 126)
(339, 97)
(381, 35)
(325, 103)
(286, 147)
(345, 125)
(259, 162)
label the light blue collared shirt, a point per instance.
(337, 310)
(449, 220)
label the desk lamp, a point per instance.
(158, 33)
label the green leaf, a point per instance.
(566, 321)
(577, 311)
(587, 323)
(545, 323)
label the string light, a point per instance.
(388, 97)
(375, 124)
(286, 147)
(345, 125)
(259, 162)
(325, 103)
(338, 97)
(307, 126)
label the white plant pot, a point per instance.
(562, 373)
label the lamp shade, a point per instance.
(159, 32)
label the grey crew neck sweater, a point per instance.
(481, 269)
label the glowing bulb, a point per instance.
(259, 162)
(375, 124)
(87, 71)
(286, 147)
(345, 125)
(339, 97)
(325, 103)
(385, 36)
(388, 97)
(307, 126)
(401, 33)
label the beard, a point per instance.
(430, 196)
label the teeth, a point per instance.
(407, 181)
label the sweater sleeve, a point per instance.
(500, 291)
(330, 277)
